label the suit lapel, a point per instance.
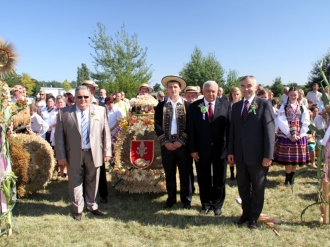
(249, 113)
(92, 114)
(217, 109)
(74, 116)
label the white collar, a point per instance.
(250, 99)
(178, 101)
(207, 103)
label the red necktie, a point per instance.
(245, 109)
(210, 112)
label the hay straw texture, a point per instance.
(33, 162)
(149, 180)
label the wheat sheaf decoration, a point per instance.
(8, 57)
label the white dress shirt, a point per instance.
(314, 97)
(114, 116)
(250, 102)
(78, 113)
(38, 125)
(206, 103)
(174, 126)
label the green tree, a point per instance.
(66, 86)
(232, 80)
(82, 74)
(157, 87)
(120, 63)
(277, 87)
(315, 74)
(201, 69)
(27, 82)
(13, 79)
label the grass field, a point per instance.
(44, 219)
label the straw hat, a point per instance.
(147, 86)
(191, 89)
(174, 78)
(89, 83)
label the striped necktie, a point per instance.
(245, 109)
(84, 128)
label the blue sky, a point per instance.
(265, 38)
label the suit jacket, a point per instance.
(68, 136)
(159, 123)
(204, 135)
(252, 139)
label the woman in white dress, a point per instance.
(60, 103)
(46, 114)
(41, 103)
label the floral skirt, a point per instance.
(292, 153)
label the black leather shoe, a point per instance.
(96, 212)
(77, 216)
(241, 220)
(205, 211)
(252, 224)
(187, 206)
(167, 205)
(103, 200)
(217, 212)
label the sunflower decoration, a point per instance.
(8, 57)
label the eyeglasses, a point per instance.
(80, 97)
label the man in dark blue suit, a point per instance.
(251, 147)
(208, 130)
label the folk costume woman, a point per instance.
(293, 121)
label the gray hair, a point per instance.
(82, 88)
(210, 83)
(286, 88)
(249, 77)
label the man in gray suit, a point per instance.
(251, 147)
(83, 143)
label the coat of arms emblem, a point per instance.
(142, 153)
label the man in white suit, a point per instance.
(83, 143)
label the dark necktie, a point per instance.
(210, 112)
(245, 109)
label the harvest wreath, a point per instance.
(131, 172)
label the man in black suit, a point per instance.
(208, 130)
(251, 147)
(170, 128)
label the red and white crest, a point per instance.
(142, 153)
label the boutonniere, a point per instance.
(203, 109)
(253, 108)
(94, 118)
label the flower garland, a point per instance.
(127, 178)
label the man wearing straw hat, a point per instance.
(170, 128)
(103, 185)
(191, 94)
(144, 89)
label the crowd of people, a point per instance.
(248, 130)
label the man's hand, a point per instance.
(170, 146)
(266, 162)
(62, 162)
(230, 159)
(177, 144)
(195, 156)
(106, 158)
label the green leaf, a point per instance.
(324, 97)
(319, 132)
(304, 210)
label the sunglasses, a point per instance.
(80, 97)
(42, 94)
